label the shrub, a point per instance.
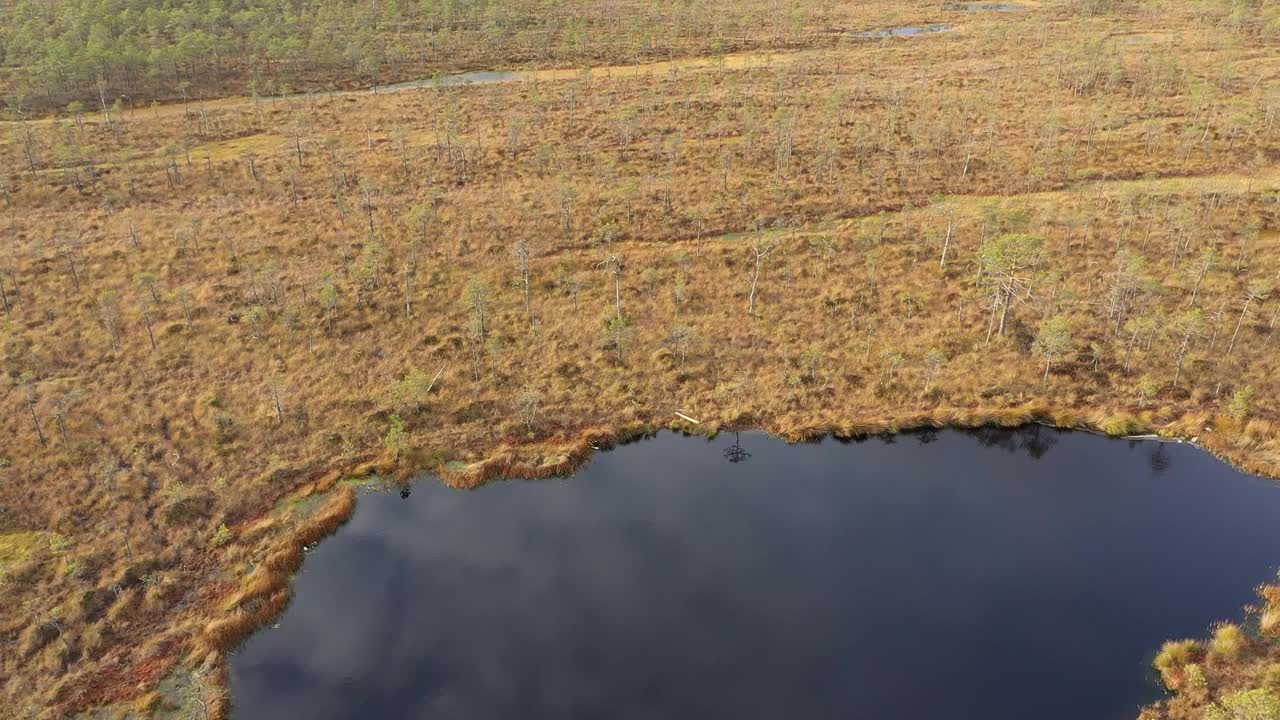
(1146, 389)
(1246, 705)
(397, 438)
(1174, 656)
(1241, 405)
(1228, 641)
(59, 544)
(1195, 685)
(1271, 677)
(221, 537)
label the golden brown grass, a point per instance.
(284, 354)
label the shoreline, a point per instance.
(268, 590)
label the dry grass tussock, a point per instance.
(217, 312)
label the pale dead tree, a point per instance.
(613, 264)
(185, 300)
(1208, 261)
(147, 310)
(761, 250)
(367, 195)
(69, 249)
(1128, 281)
(515, 133)
(826, 248)
(934, 360)
(62, 407)
(251, 158)
(529, 405)
(31, 397)
(296, 132)
(947, 209)
(1189, 325)
(1245, 235)
(892, 361)
(107, 472)
(785, 141)
(406, 274)
(566, 195)
(108, 307)
(1256, 292)
(681, 338)
(275, 390)
(520, 255)
(100, 81)
(1215, 319)
(29, 147)
(969, 145)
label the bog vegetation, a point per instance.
(713, 215)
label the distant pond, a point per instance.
(992, 575)
(904, 31)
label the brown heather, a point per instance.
(217, 313)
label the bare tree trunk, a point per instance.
(761, 254)
(35, 420)
(617, 292)
(1239, 324)
(946, 242)
(146, 319)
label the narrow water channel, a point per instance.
(995, 575)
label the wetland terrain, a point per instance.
(254, 253)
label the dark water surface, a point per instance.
(1002, 575)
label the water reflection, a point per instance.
(735, 453)
(478, 77)
(1035, 440)
(986, 7)
(904, 31)
(1159, 459)
(959, 576)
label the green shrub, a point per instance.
(1146, 388)
(1241, 405)
(221, 537)
(1195, 685)
(1246, 705)
(59, 544)
(397, 438)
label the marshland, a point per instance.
(235, 281)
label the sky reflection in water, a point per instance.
(939, 575)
